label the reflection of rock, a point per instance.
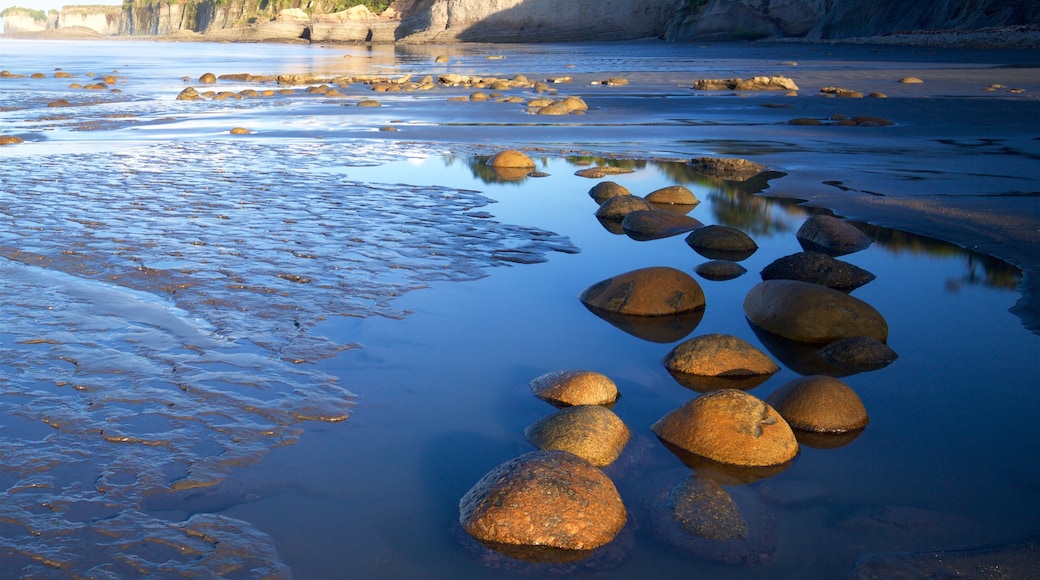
(703, 384)
(819, 403)
(858, 354)
(818, 440)
(544, 498)
(725, 473)
(663, 329)
(605, 190)
(763, 83)
(591, 432)
(673, 195)
(616, 208)
(729, 169)
(818, 268)
(510, 173)
(801, 357)
(565, 388)
(719, 355)
(721, 243)
(646, 225)
(731, 427)
(810, 313)
(511, 158)
(1018, 559)
(830, 235)
(654, 291)
(720, 270)
(700, 517)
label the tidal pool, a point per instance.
(292, 354)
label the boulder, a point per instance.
(511, 158)
(761, 83)
(605, 190)
(811, 313)
(726, 168)
(830, 235)
(705, 510)
(617, 208)
(817, 268)
(858, 354)
(591, 432)
(719, 355)
(730, 427)
(644, 225)
(566, 388)
(720, 270)
(9, 140)
(189, 94)
(819, 403)
(721, 243)
(544, 498)
(654, 291)
(673, 195)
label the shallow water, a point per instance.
(214, 362)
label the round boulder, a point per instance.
(817, 268)
(720, 270)
(189, 94)
(544, 498)
(646, 225)
(811, 313)
(9, 140)
(719, 355)
(721, 243)
(591, 432)
(673, 195)
(511, 158)
(566, 388)
(208, 78)
(819, 403)
(830, 235)
(654, 291)
(616, 208)
(730, 427)
(605, 190)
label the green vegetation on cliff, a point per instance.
(273, 6)
(37, 15)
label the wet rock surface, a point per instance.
(820, 404)
(719, 355)
(644, 225)
(818, 268)
(830, 235)
(654, 291)
(591, 432)
(721, 243)
(807, 312)
(565, 388)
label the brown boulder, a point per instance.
(616, 208)
(704, 509)
(719, 355)
(719, 270)
(721, 243)
(730, 427)
(9, 140)
(511, 158)
(817, 268)
(646, 225)
(673, 195)
(591, 432)
(727, 168)
(830, 235)
(762, 83)
(811, 313)
(189, 94)
(605, 190)
(819, 403)
(566, 388)
(654, 291)
(858, 354)
(544, 498)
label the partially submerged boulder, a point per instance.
(605, 190)
(729, 427)
(760, 83)
(818, 268)
(644, 225)
(673, 195)
(511, 158)
(591, 432)
(616, 208)
(726, 168)
(717, 242)
(808, 312)
(720, 270)
(858, 354)
(820, 404)
(544, 498)
(654, 291)
(719, 355)
(830, 235)
(575, 387)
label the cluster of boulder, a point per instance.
(558, 500)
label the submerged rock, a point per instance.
(654, 291)
(544, 498)
(818, 268)
(566, 388)
(811, 313)
(730, 427)
(717, 242)
(616, 208)
(720, 270)
(858, 354)
(819, 403)
(830, 235)
(591, 432)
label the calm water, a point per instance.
(291, 354)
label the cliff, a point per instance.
(441, 21)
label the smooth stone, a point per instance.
(808, 312)
(189, 94)
(511, 158)
(10, 140)
(830, 235)
(726, 168)
(730, 427)
(719, 355)
(606, 190)
(819, 403)
(616, 208)
(673, 195)
(720, 270)
(858, 354)
(818, 268)
(654, 291)
(591, 432)
(575, 387)
(208, 78)
(644, 225)
(721, 243)
(240, 131)
(544, 498)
